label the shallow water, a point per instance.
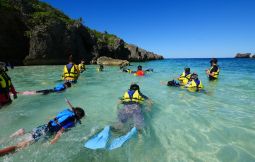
(182, 126)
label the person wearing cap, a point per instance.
(6, 87)
(185, 76)
(64, 120)
(71, 71)
(214, 71)
(194, 83)
(132, 101)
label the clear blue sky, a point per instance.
(173, 28)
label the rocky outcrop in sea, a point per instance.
(34, 33)
(243, 55)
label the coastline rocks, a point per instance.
(253, 56)
(34, 33)
(243, 55)
(139, 54)
(109, 61)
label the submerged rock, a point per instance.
(243, 55)
(109, 61)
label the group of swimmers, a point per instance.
(191, 81)
(132, 101)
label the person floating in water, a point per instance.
(194, 84)
(100, 68)
(214, 71)
(71, 71)
(138, 72)
(185, 76)
(82, 67)
(130, 116)
(58, 88)
(64, 120)
(132, 101)
(6, 87)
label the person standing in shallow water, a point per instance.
(214, 71)
(71, 71)
(6, 87)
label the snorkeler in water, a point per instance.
(64, 120)
(58, 88)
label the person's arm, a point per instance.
(12, 89)
(57, 136)
(212, 71)
(69, 104)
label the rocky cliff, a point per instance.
(33, 33)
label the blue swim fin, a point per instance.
(99, 140)
(118, 142)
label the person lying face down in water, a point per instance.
(130, 120)
(58, 88)
(138, 72)
(132, 101)
(64, 120)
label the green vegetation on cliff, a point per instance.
(41, 13)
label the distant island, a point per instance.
(35, 33)
(244, 55)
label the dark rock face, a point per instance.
(253, 56)
(34, 33)
(14, 45)
(243, 55)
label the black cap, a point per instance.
(134, 87)
(187, 69)
(214, 60)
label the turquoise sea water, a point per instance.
(182, 126)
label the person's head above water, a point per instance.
(79, 113)
(70, 58)
(67, 84)
(134, 87)
(139, 67)
(213, 61)
(194, 76)
(187, 70)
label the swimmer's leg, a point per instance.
(19, 132)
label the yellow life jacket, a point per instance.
(82, 67)
(193, 84)
(216, 74)
(73, 74)
(5, 83)
(184, 79)
(136, 97)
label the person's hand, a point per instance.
(15, 96)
